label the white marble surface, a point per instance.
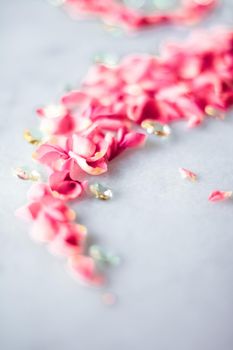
(175, 286)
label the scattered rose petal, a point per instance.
(187, 174)
(100, 192)
(217, 196)
(69, 241)
(46, 212)
(108, 299)
(84, 268)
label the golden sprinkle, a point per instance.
(25, 175)
(100, 192)
(156, 128)
(31, 139)
(214, 112)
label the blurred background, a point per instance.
(174, 287)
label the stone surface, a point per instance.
(175, 286)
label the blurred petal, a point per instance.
(217, 196)
(84, 268)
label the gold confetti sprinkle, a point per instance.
(30, 138)
(100, 192)
(156, 128)
(214, 112)
(25, 175)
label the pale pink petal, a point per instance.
(37, 192)
(24, 213)
(57, 177)
(43, 229)
(47, 154)
(52, 111)
(92, 168)
(84, 268)
(97, 168)
(73, 98)
(83, 146)
(187, 174)
(76, 173)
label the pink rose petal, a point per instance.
(64, 187)
(84, 268)
(70, 240)
(217, 196)
(187, 174)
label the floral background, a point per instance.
(174, 286)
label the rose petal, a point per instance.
(82, 146)
(84, 268)
(217, 196)
(70, 240)
(47, 154)
(43, 229)
(64, 187)
(187, 174)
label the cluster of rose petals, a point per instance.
(117, 13)
(91, 126)
(53, 224)
(183, 83)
